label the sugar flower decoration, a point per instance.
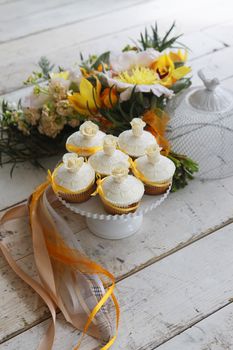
(72, 162)
(89, 129)
(120, 173)
(137, 125)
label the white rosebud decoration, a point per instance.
(153, 153)
(89, 129)
(137, 125)
(72, 162)
(110, 144)
(120, 173)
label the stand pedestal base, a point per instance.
(114, 229)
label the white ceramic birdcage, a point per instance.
(201, 127)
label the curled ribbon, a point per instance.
(157, 121)
(68, 279)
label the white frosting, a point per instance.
(160, 171)
(133, 145)
(75, 181)
(88, 136)
(104, 163)
(126, 192)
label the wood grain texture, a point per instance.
(68, 41)
(165, 298)
(30, 17)
(182, 219)
(212, 333)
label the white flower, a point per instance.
(72, 162)
(34, 101)
(126, 60)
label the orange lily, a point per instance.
(109, 97)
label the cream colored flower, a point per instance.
(64, 108)
(50, 124)
(58, 89)
(32, 115)
(153, 153)
(72, 162)
(137, 125)
(89, 129)
(110, 144)
(120, 173)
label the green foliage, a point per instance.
(38, 76)
(185, 169)
(153, 40)
(93, 61)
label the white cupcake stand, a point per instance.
(114, 226)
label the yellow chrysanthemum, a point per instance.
(139, 76)
(87, 100)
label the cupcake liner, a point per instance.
(78, 197)
(115, 210)
(156, 190)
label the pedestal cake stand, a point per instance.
(114, 226)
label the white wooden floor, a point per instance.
(175, 277)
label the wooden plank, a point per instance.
(26, 18)
(212, 333)
(69, 40)
(182, 219)
(165, 298)
(222, 32)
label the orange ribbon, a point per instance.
(55, 260)
(157, 121)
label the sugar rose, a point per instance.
(120, 173)
(89, 129)
(110, 144)
(72, 162)
(137, 125)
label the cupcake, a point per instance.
(86, 141)
(103, 162)
(134, 141)
(73, 179)
(154, 170)
(120, 193)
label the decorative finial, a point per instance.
(210, 84)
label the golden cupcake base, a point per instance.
(156, 190)
(120, 210)
(78, 197)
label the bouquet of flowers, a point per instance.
(110, 90)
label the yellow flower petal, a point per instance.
(63, 75)
(180, 72)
